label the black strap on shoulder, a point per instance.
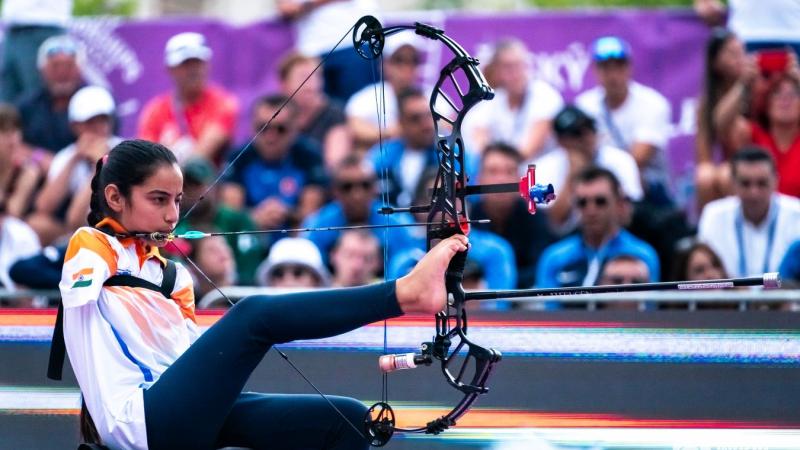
(55, 366)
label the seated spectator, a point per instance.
(17, 241)
(629, 115)
(197, 118)
(45, 123)
(215, 260)
(400, 73)
(293, 263)
(91, 115)
(356, 259)
(248, 249)
(400, 162)
(579, 148)
(280, 180)
(577, 260)
(21, 171)
(728, 74)
(698, 262)
(751, 230)
(318, 118)
(523, 108)
(356, 203)
(623, 269)
(777, 129)
(527, 234)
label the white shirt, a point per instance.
(643, 117)
(553, 168)
(17, 241)
(99, 321)
(542, 102)
(319, 30)
(718, 229)
(774, 20)
(82, 173)
(37, 12)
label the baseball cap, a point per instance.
(572, 121)
(296, 251)
(184, 46)
(88, 102)
(610, 47)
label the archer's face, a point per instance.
(151, 206)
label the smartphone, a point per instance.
(771, 61)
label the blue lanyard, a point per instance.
(773, 221)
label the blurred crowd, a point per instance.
(321, 157)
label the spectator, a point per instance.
(293, 263)
(527, 234)
(17, 241)
(577, 260)
(27, 26)
(728, 74)
(356, 259)
(319, 25)
(20, 170)
(318, 118)
(400, 162)
(281, 181)
(623, 269)
(751, 230)
(214, 258)
(197, 118)
(91, 115)
(579, 148)
(355, 203)
(777, 129)
(45, 123)
(759, 27)
(248, 249)
(400, 73)
(698, 262)
(630, 116)
(523, 109)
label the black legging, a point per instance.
(198, 402)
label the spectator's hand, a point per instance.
(91, 147)
(270, 213)
(577, 160)
(711, 11)
(750, 71)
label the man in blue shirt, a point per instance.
(578, 260)
(355, 203)
(280, 180)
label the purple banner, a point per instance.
(667, 47)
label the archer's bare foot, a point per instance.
(422, 290)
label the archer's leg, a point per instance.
(273, 421)
(187, 406)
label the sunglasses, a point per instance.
(295, 271)
(600, 201)
(279, 128)
(761, 183)
(623, 280)
(349, 186)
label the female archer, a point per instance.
(149, 379)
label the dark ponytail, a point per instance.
(128, 164)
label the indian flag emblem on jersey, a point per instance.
(82, 278)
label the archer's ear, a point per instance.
(114, 198)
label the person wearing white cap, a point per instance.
(65, 193)
(197, 118)
(293, 263)
(45, 124)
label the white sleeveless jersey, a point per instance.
(120, 339)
